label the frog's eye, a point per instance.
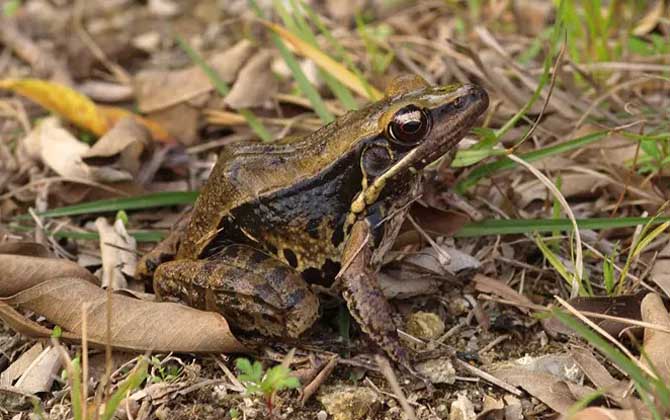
(409, 125)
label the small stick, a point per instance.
(489, 378)
(320, 378)
(389, 374)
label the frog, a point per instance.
(273, 219)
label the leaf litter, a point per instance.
(486, 298)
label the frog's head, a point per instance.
(418, 124)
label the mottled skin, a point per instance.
(274, 217)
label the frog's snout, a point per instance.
(475, 96)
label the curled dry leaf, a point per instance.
(161, 89)
(57, 289)
(255, 85)
(118, 253)
(63, 153)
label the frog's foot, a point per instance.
(252, 290)
(374, 315)
(165, 251)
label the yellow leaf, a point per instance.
(324, 61)
(62, 100)
(77, 108)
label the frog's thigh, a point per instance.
(251, 289)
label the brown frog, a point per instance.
(273, 218)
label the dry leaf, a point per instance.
(548, 378)
(660, 272)
(75, 107)
(656, 343)
(490, 285)
(20, 365)
(57, 289)
(573, 184)
(255, 85)
(651, 19)
(161, 89)
(40, 375)
(118, 250)
(599, 413)
(60, 99)
(126, 141)
(58, 149)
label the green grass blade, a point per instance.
(340, 51)
(645, 385)
(139, 235)
(292, 63)
(303, 84)
(297, 24)
(517, 226)
(132, 382)
(223, 89)
(161, 199)
(506, 163)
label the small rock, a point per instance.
(349, 402)
(437, 371)
(147, 41)
(425, 325)
(462, 409)
(321, 415)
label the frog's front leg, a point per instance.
(253, 291)
(364, 297)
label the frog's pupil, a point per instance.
(411, 127)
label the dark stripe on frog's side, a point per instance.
(297, 214)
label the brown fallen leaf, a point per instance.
(255, 85)
(573, 184)
(598, 374)
(57, 289)
(660, 272)
(490, 285)
(20, 365)
(599, 413)
(40, 375)
(120, 147)
(161, 89)
(547, 383)
(624, 306)
(656, 343)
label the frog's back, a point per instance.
(293, 184)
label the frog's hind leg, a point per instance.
(253, 290)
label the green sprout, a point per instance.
(256, 382)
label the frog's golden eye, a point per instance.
(409, 126)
